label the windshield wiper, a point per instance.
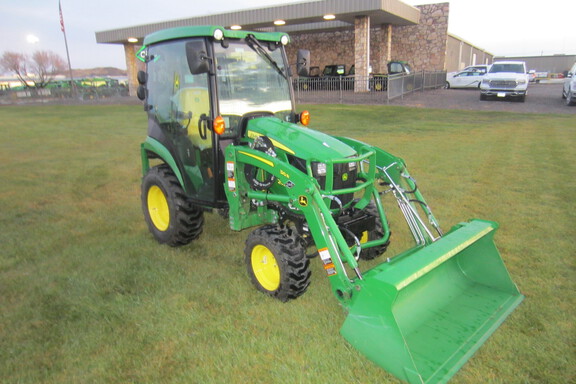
(260, 50)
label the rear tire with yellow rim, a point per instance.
(170, 215)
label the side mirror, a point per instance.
(570, 74)
(303, 63)
(198, 60)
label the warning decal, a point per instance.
(327, 261)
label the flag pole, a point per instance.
(72, 83)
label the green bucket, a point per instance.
(422, 315)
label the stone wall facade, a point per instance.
(335, 47)
(423, 46)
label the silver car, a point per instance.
(569, 90)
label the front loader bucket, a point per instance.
(422, 315)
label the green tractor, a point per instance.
(224, 135)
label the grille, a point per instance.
(503, 84)
(343, 178)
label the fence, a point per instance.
(364, 90)
(54, 94)
(337, 90)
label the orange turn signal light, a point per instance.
(219, 125)
(305, 117)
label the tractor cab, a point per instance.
(201, 86)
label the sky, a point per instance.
(501, 27)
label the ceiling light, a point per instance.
(329, 17)
(132, 40)
(279, 22)
(235, 27)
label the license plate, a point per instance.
(501, 94)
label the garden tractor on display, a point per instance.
(223, 135)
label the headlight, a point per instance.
(485, 81)
(320, 169)
(218, 34)
(521, 81)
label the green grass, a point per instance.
(87, 296)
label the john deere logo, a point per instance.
(344, 177)
(303, 201)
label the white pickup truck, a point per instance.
(505, 79)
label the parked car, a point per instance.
(482, 68)
(464, 79)
(569, 89)
(505, 79)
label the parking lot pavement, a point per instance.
(542, 98)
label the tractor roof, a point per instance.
(207, 31)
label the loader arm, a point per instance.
(393, 174)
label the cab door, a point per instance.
(180, 109)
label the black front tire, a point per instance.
(276, 262)
(171, 217)
(376, 233)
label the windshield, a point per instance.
(511, 68)
(251, 78)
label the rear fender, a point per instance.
(152, 146)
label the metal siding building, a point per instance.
(550, 64)
(460, 54)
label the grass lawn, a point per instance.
(87, 295)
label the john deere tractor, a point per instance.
(224, 135)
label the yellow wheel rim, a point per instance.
(158, 208)
(265, 268)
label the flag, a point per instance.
(61, 17)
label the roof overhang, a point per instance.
(298, 17)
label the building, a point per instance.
(460, 54)
(550, 64)
(363, 33)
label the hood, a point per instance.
(507, 75)
(298, 140)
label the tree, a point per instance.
(15, 63)
(34, 72)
